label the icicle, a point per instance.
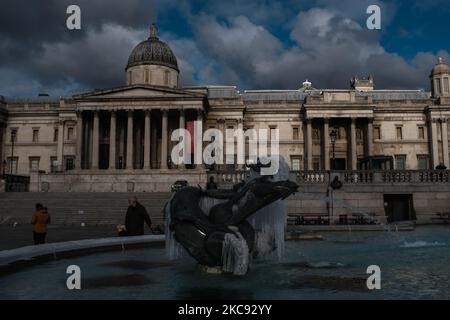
(235, 253)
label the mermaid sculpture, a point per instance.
(212, 225)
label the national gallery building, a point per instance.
(118, 139)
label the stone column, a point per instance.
(79, 151)
(240, 167)
(434, 151)
(182, 125)
(130, 147)
(353, 159)
(112, 140)
(147, 137)
(95, 140)
(369, 138)
(308, 145)
(326, 144)
(444, 130)
(164, 139)
(60, 149)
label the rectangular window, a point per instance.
(421, 132)
(55, 135)
(422, 162)
(147, 78)
(316, 134)
(359, 135)
(446, 85)
(295, 133)
(35, 135)
(166, 78)
(70, 163)
(400, 162)
(53, 164)
(399, 131)
(69, 133)
(377, 133)
(34, 163)
(438, 86)
(296, 163)
(316, 163)
(12, 165)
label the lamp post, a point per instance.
(333, 137)
(13, 138)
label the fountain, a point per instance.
(226, 229)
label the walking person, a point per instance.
(135, 218)
(40, 220)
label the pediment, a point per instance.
(139, 91)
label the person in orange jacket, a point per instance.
(40, 220)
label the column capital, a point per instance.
(147, 111)
(165, 110)
(326, 120)
(353, 119)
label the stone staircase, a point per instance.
(77, 208)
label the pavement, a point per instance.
(22, 235)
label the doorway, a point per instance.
(399, 207)
(338, 164)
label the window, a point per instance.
(295, 133)
(446, 86)
(34, 163)
(359, 135)
(422, 162)
(55, 135)
(35, 135)
(166, 78)
(399, 131)
(377, 133)
(69, 133)
(12, 165)
(438, 86)
(400, 162)
(316, 134)
(146, 76)
(273, 135)
(70, 163)
(421, 132)
(296, 163)
(53, 164)
(316, 163)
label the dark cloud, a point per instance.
(230, 43)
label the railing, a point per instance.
(353, 177)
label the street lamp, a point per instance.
(13, 139)
(333, 137)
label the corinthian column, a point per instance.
(78, 156)
(444, 130)
(326, 144)
(147, 137)
(112, 141)
(130, 148)
(95, 141)
(353, 144)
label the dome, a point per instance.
(440, 67)
(152, 51)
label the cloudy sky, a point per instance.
(253, 44)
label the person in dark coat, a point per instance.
(211, 185)
(135, 218)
